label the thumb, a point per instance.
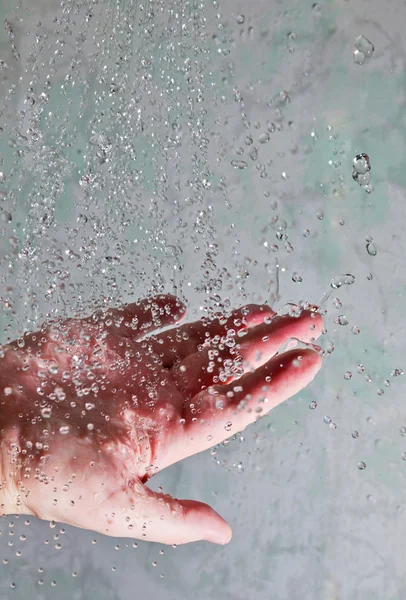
(170, 521)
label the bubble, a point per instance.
(361, 465)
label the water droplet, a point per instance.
(358, 57)
(297, 278)
(397, 372)
(46, 412)
(348, 375)
(239, 164)
(320, 214)
(355, 330)
(402, 431)
(327, 419)
(341, 320)
(371, 249)
(340, 280)
(313, 405)
(364, 45)
(361, 164)
(240, 19)
(228, 426)
(253, 154)
(355, 434)
(64, 429)
(3, 177)
(361, 465)
(264, 138)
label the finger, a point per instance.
(137, 319)
(253, 348)
(218, 413)
(157, 517)
(182, 341)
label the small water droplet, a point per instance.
(313, 405)
(327, 420)
(371, 249)
(228, 426)
(355, 330)
(364, 45)
(341, 320)
(361, 465)
(64, 429)
(239, 164)
(297, 278)
(348, 375)
(402, 431)
(358, 57)
(355, 434)
(397, 372)
(240, 19)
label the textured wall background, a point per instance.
(308, 523)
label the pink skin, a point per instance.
(92, 408)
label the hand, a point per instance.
(90, 409)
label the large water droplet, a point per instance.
(361, 163)
(340, 280)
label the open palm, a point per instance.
(93, 407)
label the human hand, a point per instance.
(91, 408)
